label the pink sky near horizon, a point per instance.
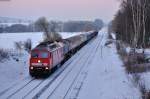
(60, 9)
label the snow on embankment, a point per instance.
(12, 71)
(106, 77)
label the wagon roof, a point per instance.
(48, 47)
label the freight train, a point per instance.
(46, 56)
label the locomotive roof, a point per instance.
(48, 46)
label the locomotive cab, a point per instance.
(40, 62)
(45, 57)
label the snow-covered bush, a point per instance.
(19, 46)
(3, 54)
(28, 45)
(108, 42)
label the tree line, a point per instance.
(131, 23)
(70, 26)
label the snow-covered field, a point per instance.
(94, 72)
(8, 39)
(12, 71)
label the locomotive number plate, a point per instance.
(37, 64)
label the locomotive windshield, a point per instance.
(34, 55)
(43, 55)
(39, 54)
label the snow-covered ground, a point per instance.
(12, 71)
(94, 72)
(106, 77)
(8, 39)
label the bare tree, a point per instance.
(144, 15)
(19, 46)
(136, 16)
(43, 25)
(132, 21)
(49, 29)
(28, 45)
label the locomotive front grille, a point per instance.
(39, 69)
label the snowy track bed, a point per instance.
(107, 78)
(64, 86)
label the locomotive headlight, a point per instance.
(39, 61)
(46, 68)
(31, 67)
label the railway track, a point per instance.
(78, 81)
(14, 89)
(37, 87)
(36, 95)
(74, 89)
(54, 92)
(13, 85)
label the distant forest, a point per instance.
(70, 26)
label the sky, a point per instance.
(60, 9)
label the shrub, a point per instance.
(28, 45)
(3, 54)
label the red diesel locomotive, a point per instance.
(47, 55)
